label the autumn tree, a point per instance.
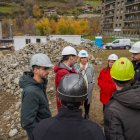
(64, 26)
(29, 27)
(82, 27)
(95, 26)
(43, 26)
(36, 11)
(53, 26)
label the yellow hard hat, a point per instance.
(122, 69)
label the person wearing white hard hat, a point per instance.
(135, 50)
(35, 105)
(65, 66)
(87, 70)
(105, 82)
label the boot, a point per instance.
(86, 116)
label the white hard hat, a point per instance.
(40, 59)
(83, 53)
(68, 50)
(112, 57)
(135, 48)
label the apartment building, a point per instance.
(121, 17)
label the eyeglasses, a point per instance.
(43, 68)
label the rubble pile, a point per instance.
(12, 67)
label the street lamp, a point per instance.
(11, 34)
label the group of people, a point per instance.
(74, 81)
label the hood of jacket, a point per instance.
(129, 97)
(27, 80)
(136, 65)
(60, 65)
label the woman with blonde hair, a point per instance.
(87, 70)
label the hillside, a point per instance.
(13, 8)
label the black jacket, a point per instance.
(137, 71)
(67, 125)
(35, 105)
(122, 115)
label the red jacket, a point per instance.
(106, 84)
(61, 70)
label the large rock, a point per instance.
(12, 66)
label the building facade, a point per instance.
(121, 17)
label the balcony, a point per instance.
(109, 26)
(131, 26)
(132, 18)
(106, 23)
(109, 2)
(127, 29)
(109, 9)
(109, 15)
(134, 2)
(132, 11)
(107, 30)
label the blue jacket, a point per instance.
(35, 105)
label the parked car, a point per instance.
(119, 44)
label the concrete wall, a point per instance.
(20, 41)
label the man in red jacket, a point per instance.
(65, 66)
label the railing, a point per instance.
(133, 18)
(107, 27)
(109, 1)
(132, 2)
(108, 23)
(108, 20)
(110, 8)
(132, 11)
(132, 26)
(109, 15)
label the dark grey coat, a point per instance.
(67, 125)
(35, 105)
(137, 71)
(122, 115)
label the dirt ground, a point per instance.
(96, 113)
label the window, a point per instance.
(28, 41)
(116, 41)
(38, 40)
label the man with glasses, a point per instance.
(135, 50)
(35, 105)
